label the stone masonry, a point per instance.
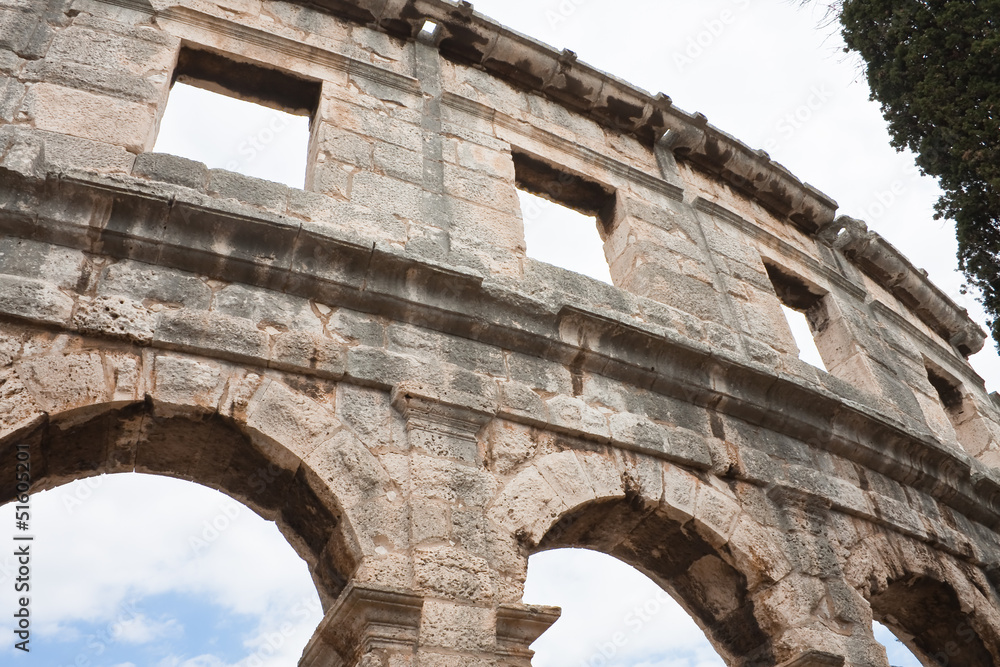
(374, 363)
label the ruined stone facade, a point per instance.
(374, 363)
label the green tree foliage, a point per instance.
(934, 66)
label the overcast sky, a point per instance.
(135, 571)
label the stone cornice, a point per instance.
(887, 266)
(891, 269)
(178, 228)
(470, 38)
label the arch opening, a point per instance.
(135, 569)
(927, 617)
(679, 561)
(210, 450)
(612, 614)
(897, 652)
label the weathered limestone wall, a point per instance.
(375, 363)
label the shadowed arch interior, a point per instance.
(928, 618)
(679, 560)
(208, 450)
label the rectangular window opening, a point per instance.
(949, 390)
(239, 116)
(565, 217)
(804, 310)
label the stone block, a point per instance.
(17, 25)
(575, 416)
(351, 471)
(18, 407)
(291, 419)
(64, 152)
(269, 310)
(430, 521)
(11, 93)
(117, 43)
(717, 513)
(481, 189)
(115, 317)
(343, 147)
(520, 401)
(246, 189)
(148, 89)
(231, 338)
(34, 300)
(494, 162)
(59, 383)
(397, 162)
(566, 477)
(451, 481)
(62, 267)
(388, 195)
(300, 350)
(171, 169)
(604, 472)
(392, 131)
(155, 285)
(185, 385)
(458, 627)
(86, 115)
(453, 573)
(508, 444)
(21, 152)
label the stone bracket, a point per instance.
(444, 423)
(815, 659)
(518, 626)
(364, 618)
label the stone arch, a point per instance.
(679, 528)
(944, 610)
(249, 434)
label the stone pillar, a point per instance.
(814, 616)
(371, 626)
(366, 626)
(657, 250)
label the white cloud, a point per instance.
(127, 537)
(142, 630)
(205, 660)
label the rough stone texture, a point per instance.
(375, 364)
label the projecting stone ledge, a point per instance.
(891, 269)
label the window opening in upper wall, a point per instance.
(239, 116)
(565, 217)
(804, 311)
(960, 410)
